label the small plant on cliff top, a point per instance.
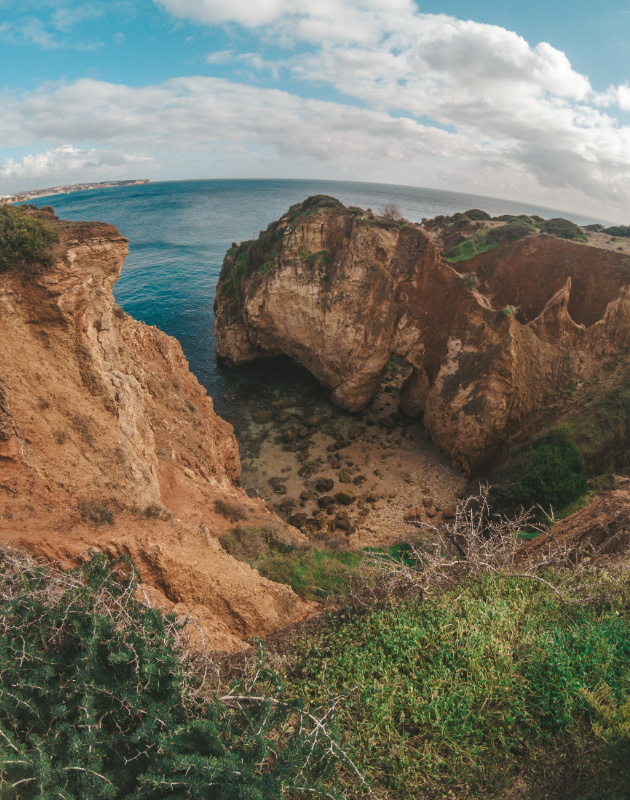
(24, 241)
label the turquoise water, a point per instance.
(179, 233)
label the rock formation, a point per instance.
(517, 313)
(100, 419)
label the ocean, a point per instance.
(180, 231)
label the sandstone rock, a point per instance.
(481, 368)
(602, 528)
(283, 403)
(299, 520)
(343, 520)
(131, 423)
(326, 501)
(345, 498)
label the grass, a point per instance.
(98, 514)
(24, 241)
(232, 511)
(313, 573)
(479, 243)
(473, 689)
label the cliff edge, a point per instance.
(107, 441)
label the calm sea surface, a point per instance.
(180, 232)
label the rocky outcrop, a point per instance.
(100, 419)
(600, 529)
(489, 336)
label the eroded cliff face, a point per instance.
(100, 411)
(343, 291)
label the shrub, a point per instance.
(98, 514)
(562, 228)
(615, 230)
(24, 241)
(512, 232)
(100, 700)
(477, 214)
(548, 472)
(232, 511)
(155, 511)
(470, 279)
(391, 212)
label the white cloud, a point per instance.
(538, 115)
(263, 12)
(66, 160)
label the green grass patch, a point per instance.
(480, 243)
(24, 241)
(475, 689)
(314, 573)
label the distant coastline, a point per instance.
(21, 197)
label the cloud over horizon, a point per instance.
(421, 98)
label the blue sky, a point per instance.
(528, 101)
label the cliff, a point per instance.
(102, 422)
(517, 313)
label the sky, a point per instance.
(526, 101)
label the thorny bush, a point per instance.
(103, 696)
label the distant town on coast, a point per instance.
(22, 197)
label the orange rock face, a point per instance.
(98, 410)
(343, 292)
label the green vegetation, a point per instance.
(100, 700)
(472, 689)
(477, 214)
(324, 575)
(549, 471)
(601, 428)
(24, 241)
(562, 228)
(229, 510)
(98, 514)
(616, 230)
(257, 256)
(512, 232)
(479, 243)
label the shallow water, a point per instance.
(179, 233)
